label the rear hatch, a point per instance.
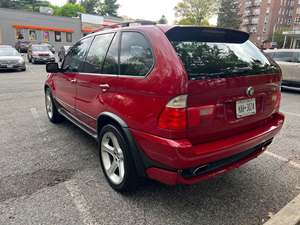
(232, 87)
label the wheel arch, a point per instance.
(111, 118)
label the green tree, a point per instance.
(89, 6)
(107, 7)
(279, 37)
(191, 22)
(31, 5)
(163, 20)
(228, 16)
(72, 1)
(195, 11)
(69, 10)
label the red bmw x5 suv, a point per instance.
(175, 104)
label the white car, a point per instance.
(289, 62)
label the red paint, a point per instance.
(211, 130)
(44, 28)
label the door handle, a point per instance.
(73, 81)
(104, 86)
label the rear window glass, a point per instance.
(212, 59)
(286, 56)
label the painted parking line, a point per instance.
(80, 203)
(291, 113)
(37, 120)
(291, 163)
(288, 215)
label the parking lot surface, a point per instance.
(50, 174)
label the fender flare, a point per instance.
(132, 147)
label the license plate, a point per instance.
(10, 66)
(245, 108)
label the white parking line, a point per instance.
(80, 203)
(291, 113)
(291, 163)
(36, 116)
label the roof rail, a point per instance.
(125, 24)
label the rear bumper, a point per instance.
(174, 157)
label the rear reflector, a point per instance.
(196, 114)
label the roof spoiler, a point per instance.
(206, 34)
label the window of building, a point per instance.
(46, 36)
(298, 11)
(96, 55)
(20, 34)
(69, 37)
(57, 35)
(136, 57)
(297, 20)
(74, 59)
(32, 35)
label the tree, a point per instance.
(195, 11)
(72, 1)
(69, 10)
(107, 7)
(32, 5)
(228, 16)
(191, 22)
(89, 6)
(163, 20)
(279, 37)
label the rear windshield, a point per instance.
(205, 59)
(286, 56)
(40, 48)
(209, 53)
(8, 52)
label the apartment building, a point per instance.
(262, 18)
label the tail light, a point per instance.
(174, 115)
(276, 98)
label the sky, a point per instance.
(144, 9)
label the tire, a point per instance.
(53, 115)
(24, 69)
(113, 150)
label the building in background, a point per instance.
(264, 18)
(39, 27)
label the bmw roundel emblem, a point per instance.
(250, 91)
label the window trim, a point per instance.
(151, 48)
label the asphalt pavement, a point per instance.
(50, 174)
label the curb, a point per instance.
(289, 215)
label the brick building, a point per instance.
(262, 18)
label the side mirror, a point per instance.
(52, 67)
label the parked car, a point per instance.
(11, 59)
(22, 46)
(62, 52)
(50, 46)
(289, 62)
(40, 53)
(174, 104)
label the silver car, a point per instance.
(289, 62)
(11, 59)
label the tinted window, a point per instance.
(97, 52)
(136, 56)
(76, 55)
(111, 64)
(210, 59)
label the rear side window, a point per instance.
(136, 58)
(212, 55)
(96, 55)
